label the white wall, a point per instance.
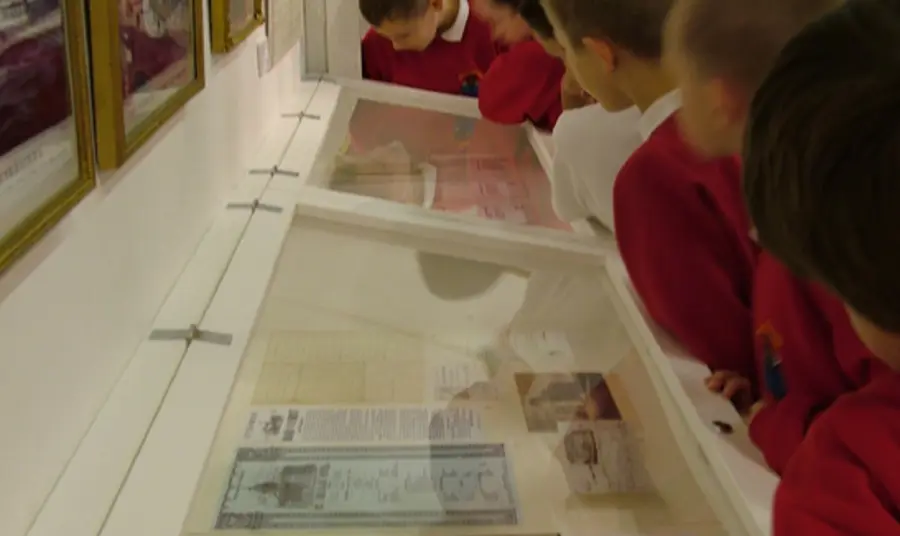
(344, 25)
(75, 309)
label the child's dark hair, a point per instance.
(740, 39)
(533, 13)
(376, 12)
(822, 157)
(635, 25)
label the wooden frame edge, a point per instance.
(106, 84)
(219, 27)
(34, 227)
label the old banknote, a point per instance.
(374, 486)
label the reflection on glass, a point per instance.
(240, 14)
(157, 56)
(443, 162)
(366, 402)
(37, 137)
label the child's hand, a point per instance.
(754, 409)
(732, 386)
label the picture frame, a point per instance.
(147, 63)
(232, 21)
(46, 140)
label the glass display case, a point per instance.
(390, 389)
(438, 159)
(407, 342)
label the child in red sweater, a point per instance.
(525, 82)
(822, 162)
(805, 349)
(435, 45)
(680, 221)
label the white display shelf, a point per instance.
(431, 290)
(104, 457)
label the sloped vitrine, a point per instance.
(408, 374)
(382, 144)
(405, 341)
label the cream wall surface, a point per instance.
(73, 312)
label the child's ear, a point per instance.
(729, 101)
(602, 50)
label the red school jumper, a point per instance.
(844, 479)
(683, 234)
(523, 84)
(454, 63)
(807, 356)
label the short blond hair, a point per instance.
(740, 39)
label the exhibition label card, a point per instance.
(362, 424)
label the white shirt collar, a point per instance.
(454, 33)
(658, 112)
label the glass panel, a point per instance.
(240, 14)
(38, 147)
(393, 391)
(157, 54)
(437, 160)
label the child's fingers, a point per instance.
(717, 381)
(734, 387)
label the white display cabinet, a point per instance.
(405, 341)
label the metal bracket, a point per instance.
(302, 116)
(193, 333)
(255, 205)
(274, 170)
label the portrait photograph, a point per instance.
(45, 145)
(144, 72)
(549, 400)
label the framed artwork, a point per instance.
(232, 21)
(147, 59)
(46, 160)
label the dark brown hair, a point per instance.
(635, 25)
(822, 157)
(376, 12)
(740, 39)
(532, 12)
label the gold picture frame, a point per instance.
(68, 142)
(230, 25)
(129, 79)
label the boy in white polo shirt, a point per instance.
(591, 142)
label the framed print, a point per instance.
(46, 161)
(232, 21)
(147, 58)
